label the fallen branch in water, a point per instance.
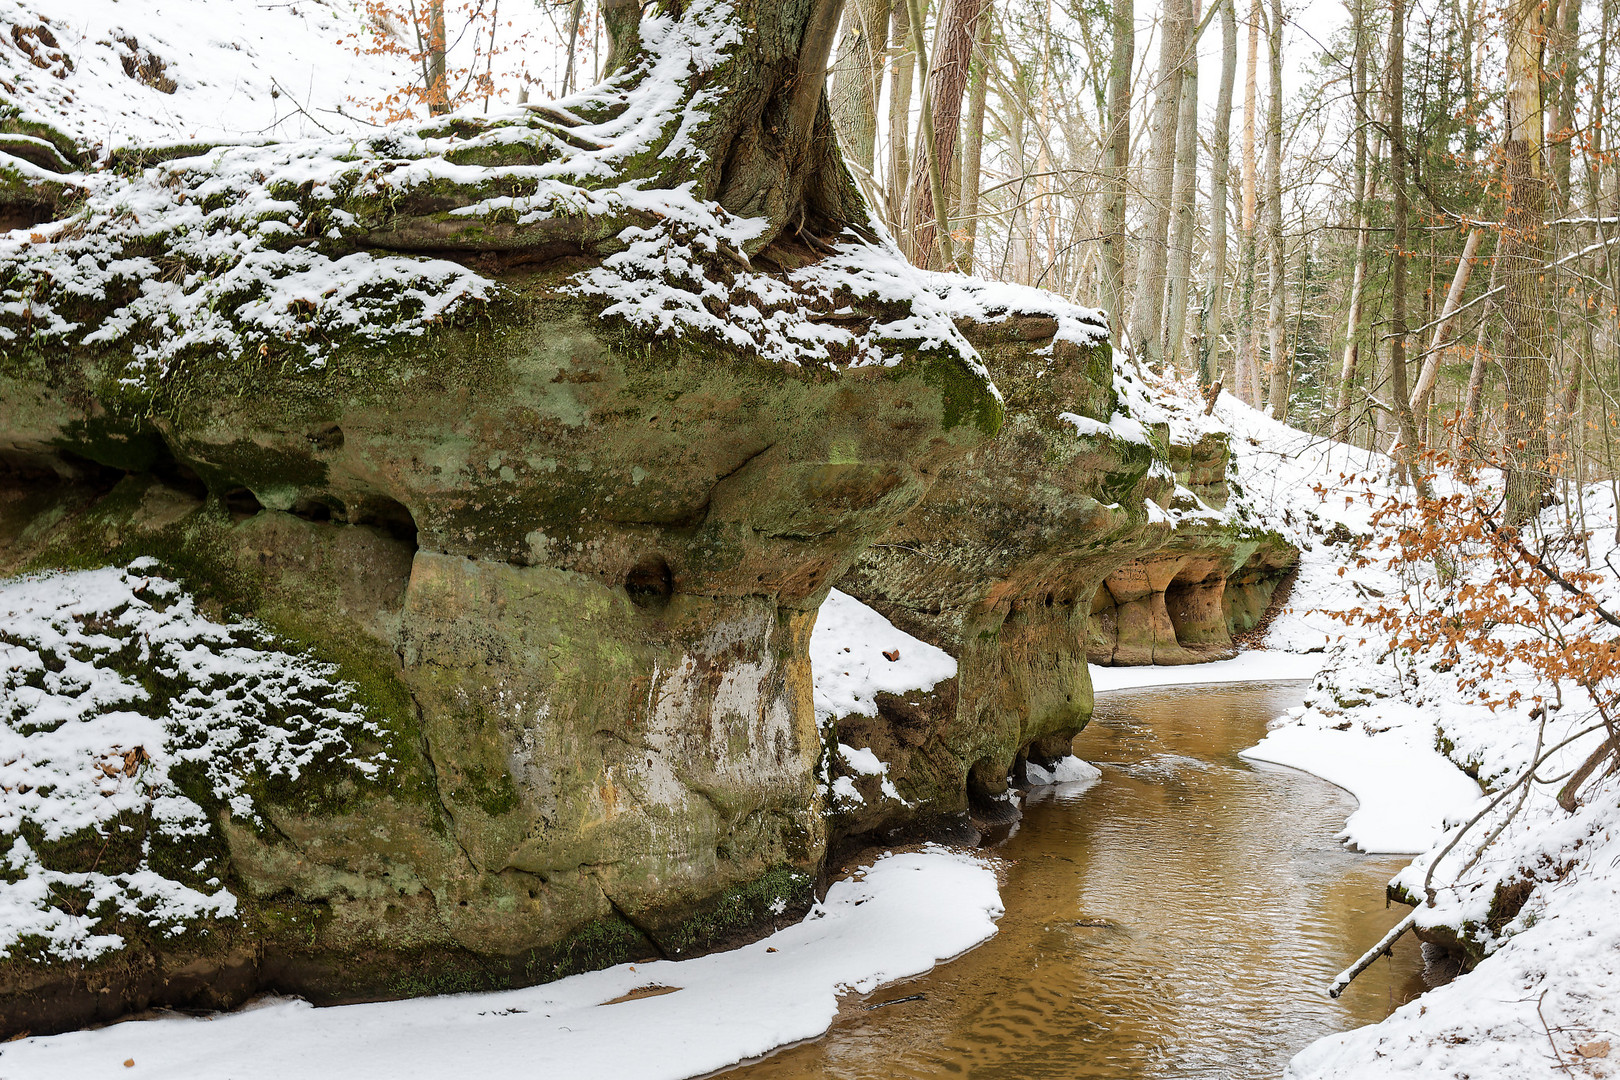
(1384, 943)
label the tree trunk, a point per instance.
(973, 141)
(1431, 363)
(1521, 257)
(1476, 373)
(438, 90)
(857, 79)
(1116, 163)
(1158, 185)
(1209, 333)
(1182, 223)
(1410, 447)
(947, 79)
(904, 64)
(1248, 359)
(1563, 45)
(1363, 197)
(1277, 359)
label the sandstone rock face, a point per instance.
(1029, 557)
(572, 575)
(998, 565)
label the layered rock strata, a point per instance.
(1067, 539)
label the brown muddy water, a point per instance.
(1181, 917)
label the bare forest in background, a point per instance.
(1409, 250)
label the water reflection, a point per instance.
(1181, 917)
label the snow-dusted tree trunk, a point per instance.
(1158, 184)
(1183, 219)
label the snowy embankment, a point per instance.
(660, 1021)
(1394, 728)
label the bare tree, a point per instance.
(1220, 170)
(1116, 162)
(1182, 219)
(942, 114)
(1158, 183)
(1520, 258)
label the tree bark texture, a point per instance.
(1248, 359)
(1158, 185)
(1278, 362)
(858, 78)
(972, 156)
(1209, 334)
(957, 26)
(904, 65)
(1522, 255)
(1116, 162)
(1182, 207)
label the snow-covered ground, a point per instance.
(667, 1020)
(135, 73)
(1546, 999)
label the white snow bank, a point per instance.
(1407, 790)
(894, 920)
(850, 659)
(1544, 1004)
(1256, 665)
(1069, 770)
(86, 748)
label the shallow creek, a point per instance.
(1181, 917)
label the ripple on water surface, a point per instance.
(1181, 917)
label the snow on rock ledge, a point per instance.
(120, 706)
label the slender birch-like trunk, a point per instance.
(1182, 207)
(1158, 185)
(1116, 163)
(1209, 330)
(1363, 195)
(973, 140)
(1431, 363)
(903, 65)
(1248, 354)
(1277, 359)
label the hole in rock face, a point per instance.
(327, 440)
(1048, 599)
(179, 476)
(242, 503)
(649, 583)
(389, 515)
(318, 509)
